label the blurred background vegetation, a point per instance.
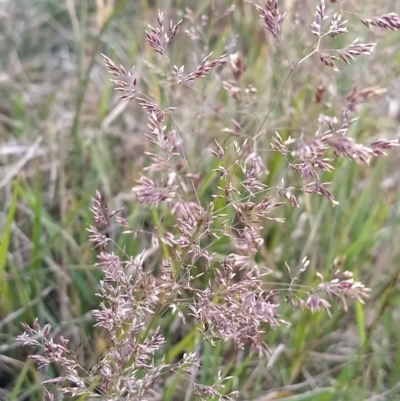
(63, 135)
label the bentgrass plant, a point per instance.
(200, 292)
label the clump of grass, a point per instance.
(225, 295)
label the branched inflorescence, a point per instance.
(232, 304)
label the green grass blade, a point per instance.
(4, 244)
